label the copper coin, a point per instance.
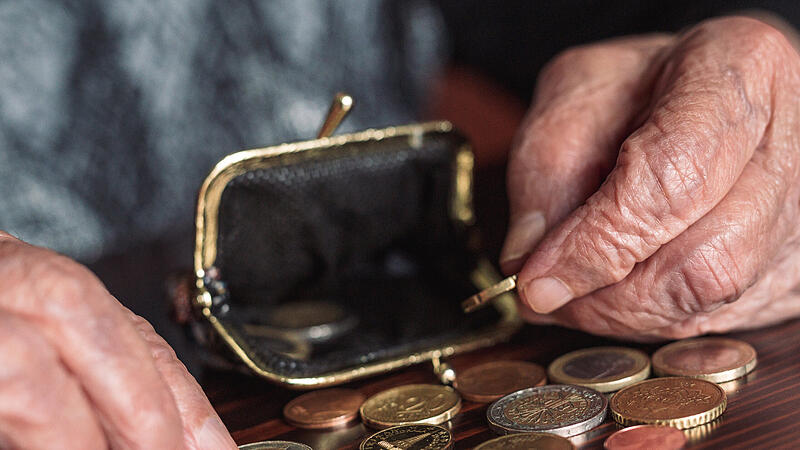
(323, 409)
(643, 437)
(488, 382)
(713, 359)
(679, 402)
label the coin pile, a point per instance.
(528, 413)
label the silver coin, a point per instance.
(274, 445)
(562, 409)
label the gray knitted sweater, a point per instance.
(113, 111)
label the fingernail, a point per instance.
(545, 295)
(524, 233)
(214, 435)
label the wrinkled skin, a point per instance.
(80, 371)
(655, 185)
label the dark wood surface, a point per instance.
(763, 408)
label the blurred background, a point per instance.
(113, 111)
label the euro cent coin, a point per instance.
(678, 402)
(605, 369)
(416, 437)
(526, 441)
(411, 404)
(560, 409)
(713, 359)
(488, 382)
(326, 408)
(274, 445)
(642, 437)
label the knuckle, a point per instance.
(669, 171)
(63, 285)
(710, 278)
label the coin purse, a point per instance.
(324, 261)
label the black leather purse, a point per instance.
(369, 234)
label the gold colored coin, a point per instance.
(527, 441)
(490, 381)
(416, 437)
(605, 369)
(713, 359)
(411, 404)
(678, 402)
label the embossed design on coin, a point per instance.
(605, 369)
(675, 401)
(490, 381)
(564, 410)
(274, 445)
(413, 403)
(713, 359)
(411, 437)
(323, 409)
(527, 441)
(646, 436)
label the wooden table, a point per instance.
(763, 409)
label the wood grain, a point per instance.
(762, 408)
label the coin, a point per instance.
(490, 381)
(410, 404)
(713, 359)
(483, 297)
(314, 321)
(323, 409)
(412, 437)
(274, 445)
(605, 369)
(642, 437)
(560, 409)
(525, 441)
(674, 401)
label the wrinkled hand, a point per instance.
(655, 185)
(78, 370)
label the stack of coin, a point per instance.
(679, 402)
(560, 409)
(713, 359)
(488, 382)
(411, 404)
(311, 321)
(605, 369)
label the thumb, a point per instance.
(586, 102)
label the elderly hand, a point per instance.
(78, 370)
(655, 185)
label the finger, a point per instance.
(678, 291)
(670, 172)
(202, 427)
(96, 343)
(41, 404)
(584, 105)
